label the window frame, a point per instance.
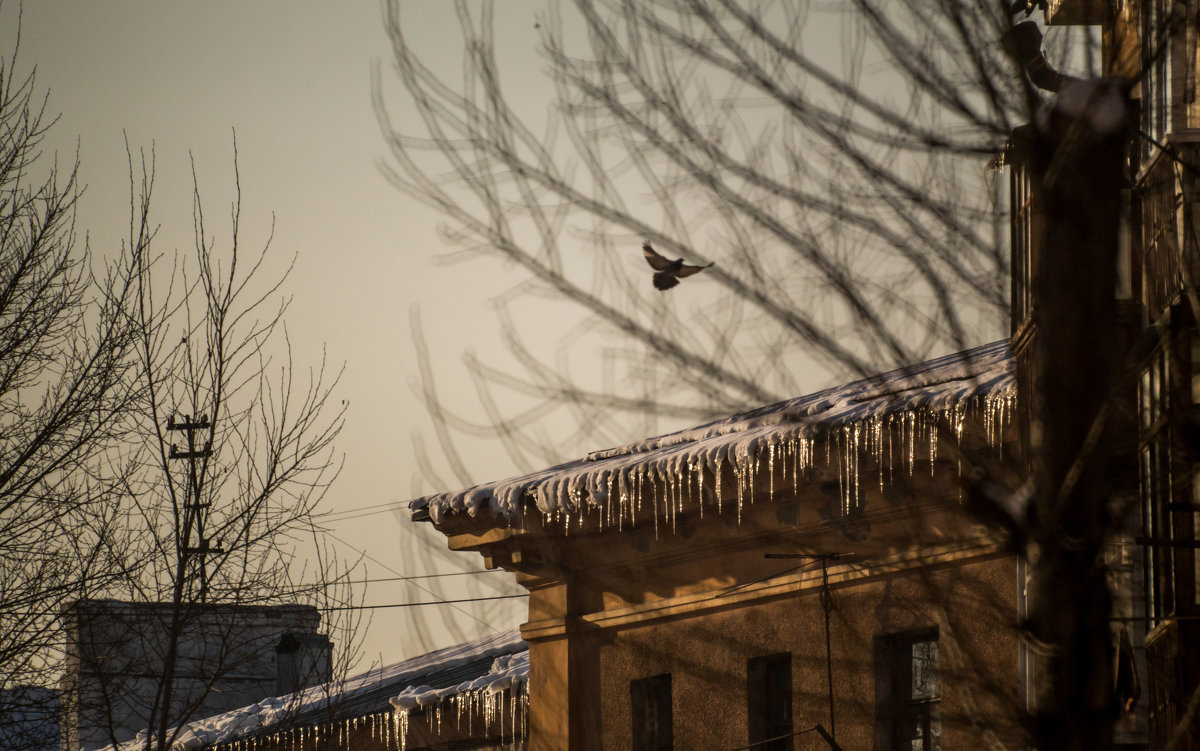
(763, 676)
(652, 729)
(896, 704)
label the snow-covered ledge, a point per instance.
(887, 425)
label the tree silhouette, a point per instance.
(67, 379)
(841, 170)
(98, 357)
(229, 453)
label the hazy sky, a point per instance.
(294, 79)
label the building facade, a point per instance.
(801, 576)
(227, 657)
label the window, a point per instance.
(1169, 482)
(1156, 84)
(911, 692)
(650, 700)
(1155, 479)
(769, 701)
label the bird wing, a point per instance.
(686, 270)
(656, 261)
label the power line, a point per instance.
(404, 578)
(420, 604)
(375, 560)
(361, 511)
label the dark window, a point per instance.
(769, 701)
(912, 691)
(650, 699)
(1154, 408)
(1167, 399)
(1156, 59)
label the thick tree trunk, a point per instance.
(1080, 164)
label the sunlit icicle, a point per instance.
(796, 447)
(839, 436)
(610, 481)
(668, 503)
(933, 439)
(852, 449)
(668, 483)
(401, 728)
(717, 480)
(653, 502)
(906, 439)
(616, 484)
(696, 474)
(877, 429)
(771, 470)
(737, 477)
(752, 476)
(679, 478)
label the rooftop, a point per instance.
(885, 418)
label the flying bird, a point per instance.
(669, 272)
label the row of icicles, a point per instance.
(506, 711)
(894, 442)
(490, 705)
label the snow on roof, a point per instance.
(885, 418)
(506, 671)
(446, 669)
(501, 695)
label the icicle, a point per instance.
(717, 482)
(610, 481)
(668, 503)
(668, 478)
(909, 431)
(877, 431)
(608, 509)
(401, 729)
(737, 478)
(752, 476)
(678, 478)
(795, 446)
(771, 470)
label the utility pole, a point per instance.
(194, 508)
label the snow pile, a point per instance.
(244, 729)
(506, 671)
(893, 420)
(500, 696)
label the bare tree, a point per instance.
(67, 378)
(229, 453)
(96, 367)
(852, 220)
(848, 195)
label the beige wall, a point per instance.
(973, 606)
(699, 603)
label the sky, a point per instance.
(294, 80)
